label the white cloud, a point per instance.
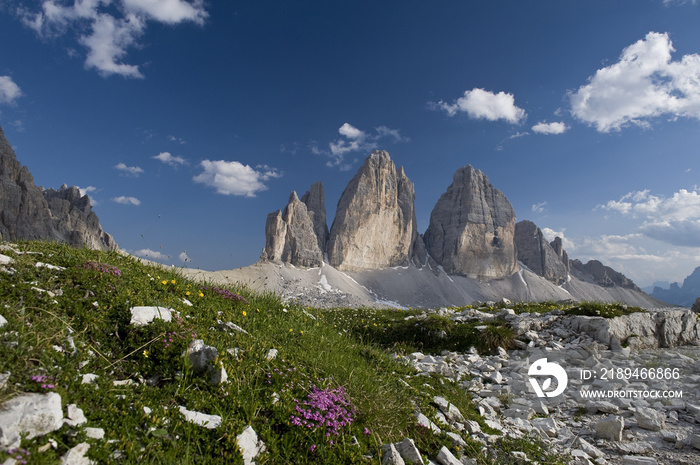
(484, 104)
(168, 159)
(113, 30)
(355, 140)
(150, 254)
(675, 220)
(168, 11)
(9, 91)
(87, 191)
(184, 257)
(234, 178)
(127, 200)
(179, 140)
(551, 234)
(550, 128)
(108, 43)
(539, 207)
(129, 170)
(642, 85)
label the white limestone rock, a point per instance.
(75, 416)
(249, 445)
(610, 428)
(391, 455)
(76, 455)
(201, 419)
(651, 419)
(445, 457)
(142, 315)
(408, 451)
(34, 414)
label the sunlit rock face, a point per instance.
(290, 237)
(375, 223)
(472, 228)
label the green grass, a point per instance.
(342, 348)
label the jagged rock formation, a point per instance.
(472, 227)
(78, 224)
(28, 212)
(597, 273)
(315, 201)
(290, 237)
(684, 294)
(558, 247)
(375, 223)
(538, 254)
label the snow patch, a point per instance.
(324, 283)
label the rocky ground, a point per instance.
(637, 420)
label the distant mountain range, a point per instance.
(680, 294)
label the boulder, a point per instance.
(142, 316)
(290, 236)
(33, 414)
(201, 419)
(538, 254)
(315, 201)
(29, 212)
(472, 228)
(249, 445)
(375, 222)
(610, 428)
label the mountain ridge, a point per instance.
(472, 246)
(28, 211)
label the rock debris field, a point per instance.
(632, 422)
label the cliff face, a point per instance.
(315, 201)
(375, 223)
(290, 237)
(472, 228)
(28, 212)
(543, 258)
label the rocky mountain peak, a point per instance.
(315, 201)
(290, 237)
(29, 212)
(472, 228)
(375, 222)
(538, 254)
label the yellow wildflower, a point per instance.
(145, 353)
(164, 282)
(201, 294)
(244, 313)
(173, 281)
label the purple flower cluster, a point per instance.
(179, 334)
(324, 408)
(42, 380)
(102, 267)
(226, 294)
(20, 455)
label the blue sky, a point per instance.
(188, 122)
